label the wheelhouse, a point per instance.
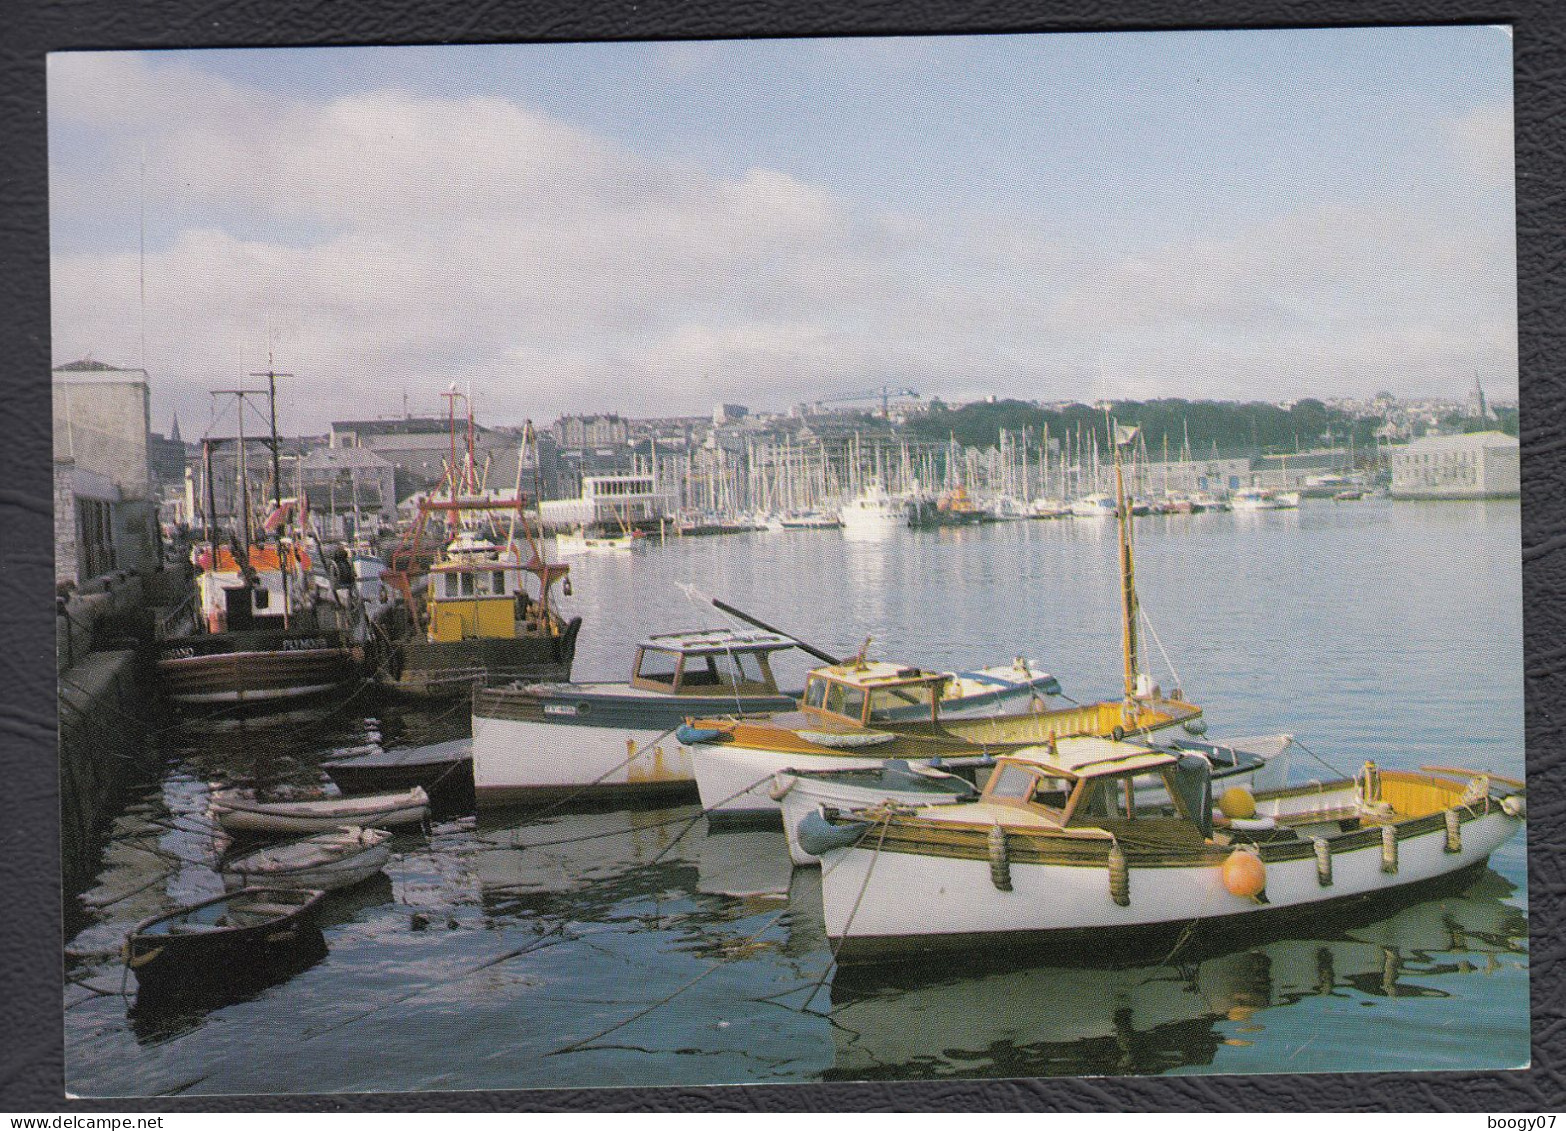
(867, 694)
(1092, 782)
(708, 662)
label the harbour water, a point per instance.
(638, 947)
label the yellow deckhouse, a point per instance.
(475, 590)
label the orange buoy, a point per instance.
(1244, 874)
(1237, 802)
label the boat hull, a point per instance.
(268, 669)
(452, 669)
(568, 741)
(879, 899)
(243, 817)
(333, 876)
(170, 965)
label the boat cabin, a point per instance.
(702, 662)
(864, 694)
(476, 590)
(237, 600)
(1091, 782)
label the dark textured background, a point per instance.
(30, 999)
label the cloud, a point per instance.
(389, 240)
(1484, 141)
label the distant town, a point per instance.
(599, 468)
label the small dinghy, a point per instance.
(241, 814)
(326, 861)
(444, 771)
(235, 937)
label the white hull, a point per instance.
(242, 815)
(518, 758)
(907, 896)
(872, 524)
(341, 873)
(735, 782)
(806, 795)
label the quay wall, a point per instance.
(103, 641)
(103, 722)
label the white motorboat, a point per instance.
(873, 513)
(1057, 850)
(325, 861)
(1094, 506)
(1256, 763)
(240, 812)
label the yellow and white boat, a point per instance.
(1058, 850)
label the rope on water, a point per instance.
(714, 968)
(1322, 760)
(848, 924)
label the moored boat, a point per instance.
(1255, 763)
(468, 617)
(542, 741)
(241, 813)
(326, 861)
(873, 513)
(444, 771)
(1057, 850)
(230, 939)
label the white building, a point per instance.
(611, 501)
(1479, 465)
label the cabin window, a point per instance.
(467, 584)
(659, 666)
(913, 701)
(263, 598)
(1103, 800)
(1011, 782)
(854, 702)
(739, 667)
(815, 692)
(499, 583)
(451, 585)
(700, 671)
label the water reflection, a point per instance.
(929, 1020)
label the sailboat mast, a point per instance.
(1128, 603)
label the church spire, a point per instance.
(174, 430)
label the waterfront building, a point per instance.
(420, 447)
(610, 501)
(599, 431)
(1477, 465)
(105, 513)
(340, 481)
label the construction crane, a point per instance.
(884, 394)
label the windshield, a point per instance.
(911, 701)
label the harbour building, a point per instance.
(611, 501)
(105, 515)
(1478, 465)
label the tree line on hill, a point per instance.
(1230, 427)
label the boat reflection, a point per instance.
(1068, 1020)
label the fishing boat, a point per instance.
(232, 938)
(802, 795)
(469, 618)
(268, 636)
(1056, 849)
(443, 770)
(326, 861)
(873, 513)
(241, 813)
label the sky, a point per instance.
(652, 229)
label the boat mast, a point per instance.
(1128, 603)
